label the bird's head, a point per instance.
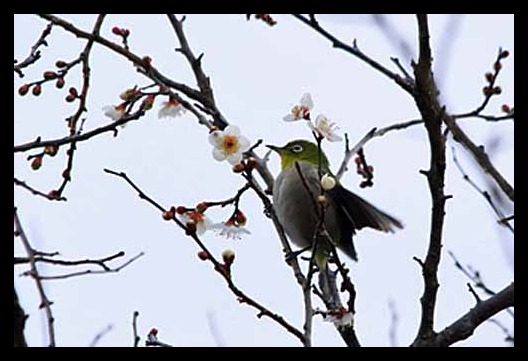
(300, 150)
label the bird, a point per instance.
(296, 207)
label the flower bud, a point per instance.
(66, 174)
(238, 168)
(251, 163)
(51, 150)
(321, 199)
(228, 256)
(116, 30)
(60, 64)
(181, 209)
(37, 89)
(167, 215)
(489, 77)
(190, 227)
(497, 66)
(53, 194)
(504, 54)
(49, 75)
(328, 182)
(203, 255)
(70, 98)
(36, 163)
(23, 90)
(60, 83)
(201, 207)
(497, 90)
(506, 108)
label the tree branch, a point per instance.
(45, 303)
(427, 102)
(405, 84)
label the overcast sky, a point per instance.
(258, 73)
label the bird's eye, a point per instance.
(297, 148)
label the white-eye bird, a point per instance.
(345, 212)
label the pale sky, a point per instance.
(258, 73)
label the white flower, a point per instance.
(202, 222)
(328, 182)
(171, 108)
(229, 230)
(302, 110)
(325, 128)
(341, 320)
(114, 112)
(228, 144)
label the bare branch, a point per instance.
(405, 84)
(45, 303)
(349, 153)
(101, 334)
(241, 296)
(134, 328)
(37, 192)
(34, 53)
(466, 325)
(105, 269)
(484, 194)
(432, 113)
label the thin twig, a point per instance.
(92, 272)
(484, 194)
(134, 328)
(405, 84)
(34, 53)
(101, 334)
(241, 296)
(36, 192)
(45, 303)
(349, 153)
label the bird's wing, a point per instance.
(359, 213)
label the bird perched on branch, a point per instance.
(299, 203)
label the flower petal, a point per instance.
(234, 158)
(332, 137)
(232, 130)
(218, 155)
(215, 137)
(290, 118)
(307, 101)
(243, 143)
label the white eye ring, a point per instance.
(297, 148)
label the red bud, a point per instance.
(497, 66)
(36, 163)
(60, 83)
(203, 255)
(504, 54)
(60, 64)
(23, 90)
(37, 89)
(49, 75)
(73, 91)
(116, 30)
(506, 108)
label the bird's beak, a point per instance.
(274, 147)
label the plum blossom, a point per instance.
(302, 110)
(171, 109)
(325, 128)
(228, 144)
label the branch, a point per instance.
(101, 334)
(466, 325)
(37, 192)
(105, 270)
(19, 324)
(405, 84)
(349, 153)
(432, 113)
(134, 328)
(45, 303)
(34, 53)
(484, 194)
(112, 127)
(479, 155)
(241, 296)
